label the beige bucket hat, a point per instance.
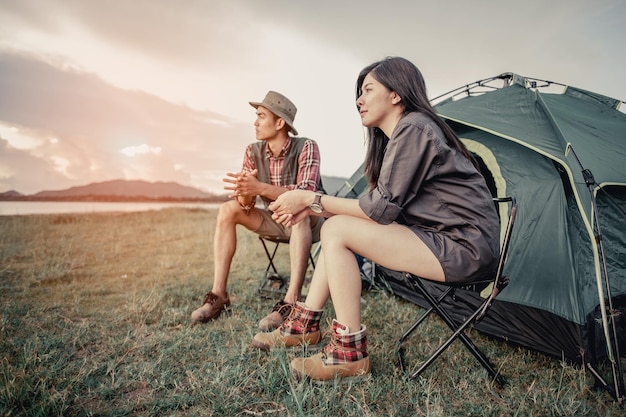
(281, 106)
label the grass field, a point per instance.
(94, 320)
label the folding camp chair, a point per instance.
(498, 282)
(274, 283)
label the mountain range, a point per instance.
(136, 190)
(119, 190)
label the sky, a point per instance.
(158, 90)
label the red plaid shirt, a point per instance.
(308, 165)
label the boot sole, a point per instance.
(313, 348)
(226, 312)
(267, 347)
(336, 379)
(313, 369)
(262, 346)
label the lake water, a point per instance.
(16, 208)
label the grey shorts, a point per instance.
(269, 227)
(460, 262)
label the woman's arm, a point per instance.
(291, 207)
(339, 205)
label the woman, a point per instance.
(428, 212)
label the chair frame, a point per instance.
(499, 281)
(274, 283)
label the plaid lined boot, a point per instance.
(345, 357)
(301, 327)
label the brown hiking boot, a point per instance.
(211, 308)
(279, 314)
(301, 327)
(344, 357)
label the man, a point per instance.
(278, 162)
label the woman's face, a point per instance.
(375, 103)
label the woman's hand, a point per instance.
(288, 220)
(291, 207)
(291, 202)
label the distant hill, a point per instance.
(120, 190)
(136, 190)
(10, 194)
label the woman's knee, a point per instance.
(335, 227)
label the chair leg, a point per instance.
(423, 316)
(458, 333)
(274, 283)
(415, 325)
(270, 257)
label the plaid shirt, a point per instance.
(308, 165)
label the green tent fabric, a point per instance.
(527, 141)
(560, 253)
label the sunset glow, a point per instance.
(158, 90)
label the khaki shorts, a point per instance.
(269, 227)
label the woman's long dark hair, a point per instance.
(402, 76)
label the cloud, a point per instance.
(141, 150)
(77, 125)
(212, 56)
(182, 52)
(17, 138)
(23, 172)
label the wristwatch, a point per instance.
(316, 206)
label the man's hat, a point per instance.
(281, 106)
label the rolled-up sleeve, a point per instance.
(408, 158)
(376, 206)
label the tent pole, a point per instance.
(618, 377)
(612, 343)
(601, 381)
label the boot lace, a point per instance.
(210, 298)
(284, 309)
(333, 343)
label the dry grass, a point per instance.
(95, 321)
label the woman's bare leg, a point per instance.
(393, 246)
(318, 289)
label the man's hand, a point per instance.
(247, 184)
(244, 184)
